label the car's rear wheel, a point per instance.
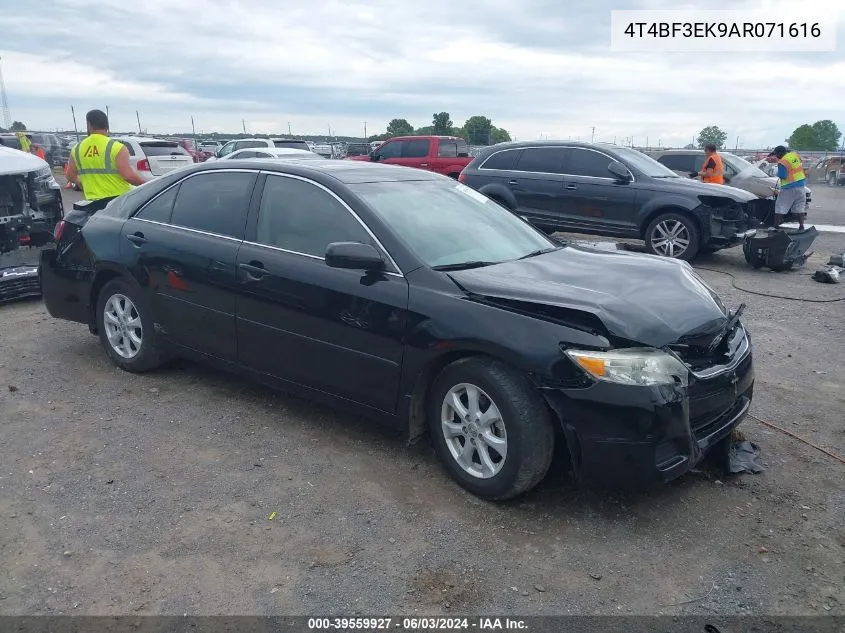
(125, 326)
(672, 235)
(490, 428)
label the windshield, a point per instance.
(742, 166)
(646, 165)
(447, 223)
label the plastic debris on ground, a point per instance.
(744, 457)
(828, 274)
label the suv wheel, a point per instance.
(672, 235)
(125, 325)
(491, 428)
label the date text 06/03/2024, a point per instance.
(417, 624)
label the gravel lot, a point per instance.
(144, 494)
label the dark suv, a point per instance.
(614, 191)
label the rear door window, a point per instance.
(417, 148)
(463, 148)
(678, 162)
(214, 202)
(247, 154)
(447, 149)
(546, 160)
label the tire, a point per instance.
(524, 423)
(681, 227)
(139, 352)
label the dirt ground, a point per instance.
(151, 494)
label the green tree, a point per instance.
(821, 135)
(712, 134)
(804, 137)
(477, 130)
(17, 126)
(827, 135)
(428, 130)
(442, 123)
(500, 135)
(399, 127)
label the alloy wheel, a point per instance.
(122, 322)
(474, 431)
(670, 238)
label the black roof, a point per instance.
(549, 143)
(345, 171)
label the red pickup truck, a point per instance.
(446, 155)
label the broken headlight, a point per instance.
(635, 366)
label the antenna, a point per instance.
(7, 116)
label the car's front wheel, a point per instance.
(491, 428)
(125, 326)
(672, 235)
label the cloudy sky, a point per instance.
(535, 67)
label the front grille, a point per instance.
(22, 287)
(712, 398)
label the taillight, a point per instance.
(462, 177)
(143, 165)
(60, 229)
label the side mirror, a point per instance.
(374, 156)
(620, 171)
(354, 256)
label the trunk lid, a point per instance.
(644, 299)
(165, 156)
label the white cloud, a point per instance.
(533, 67)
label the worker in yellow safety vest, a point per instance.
(24, 141)
(99, 165)
(792, 191)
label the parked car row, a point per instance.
(414, 299)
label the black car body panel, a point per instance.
(603, 204)
(372, 342)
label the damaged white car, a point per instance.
(30, 200)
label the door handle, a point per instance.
(137, 238)
(254, 270)
(513, 182)
(423, 164)
(571, 187)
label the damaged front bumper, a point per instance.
(624, 436)
(725, 224)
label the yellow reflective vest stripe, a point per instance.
(96, 164)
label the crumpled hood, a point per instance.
(646, 299)
(14, 161)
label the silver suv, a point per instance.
(739, 172)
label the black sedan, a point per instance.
(408, 297)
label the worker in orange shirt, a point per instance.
(38, 151)
(713, 170)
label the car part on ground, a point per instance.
(498, 340)
(19, 282)
(614, 191)
(779, 249)
(829, 274)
